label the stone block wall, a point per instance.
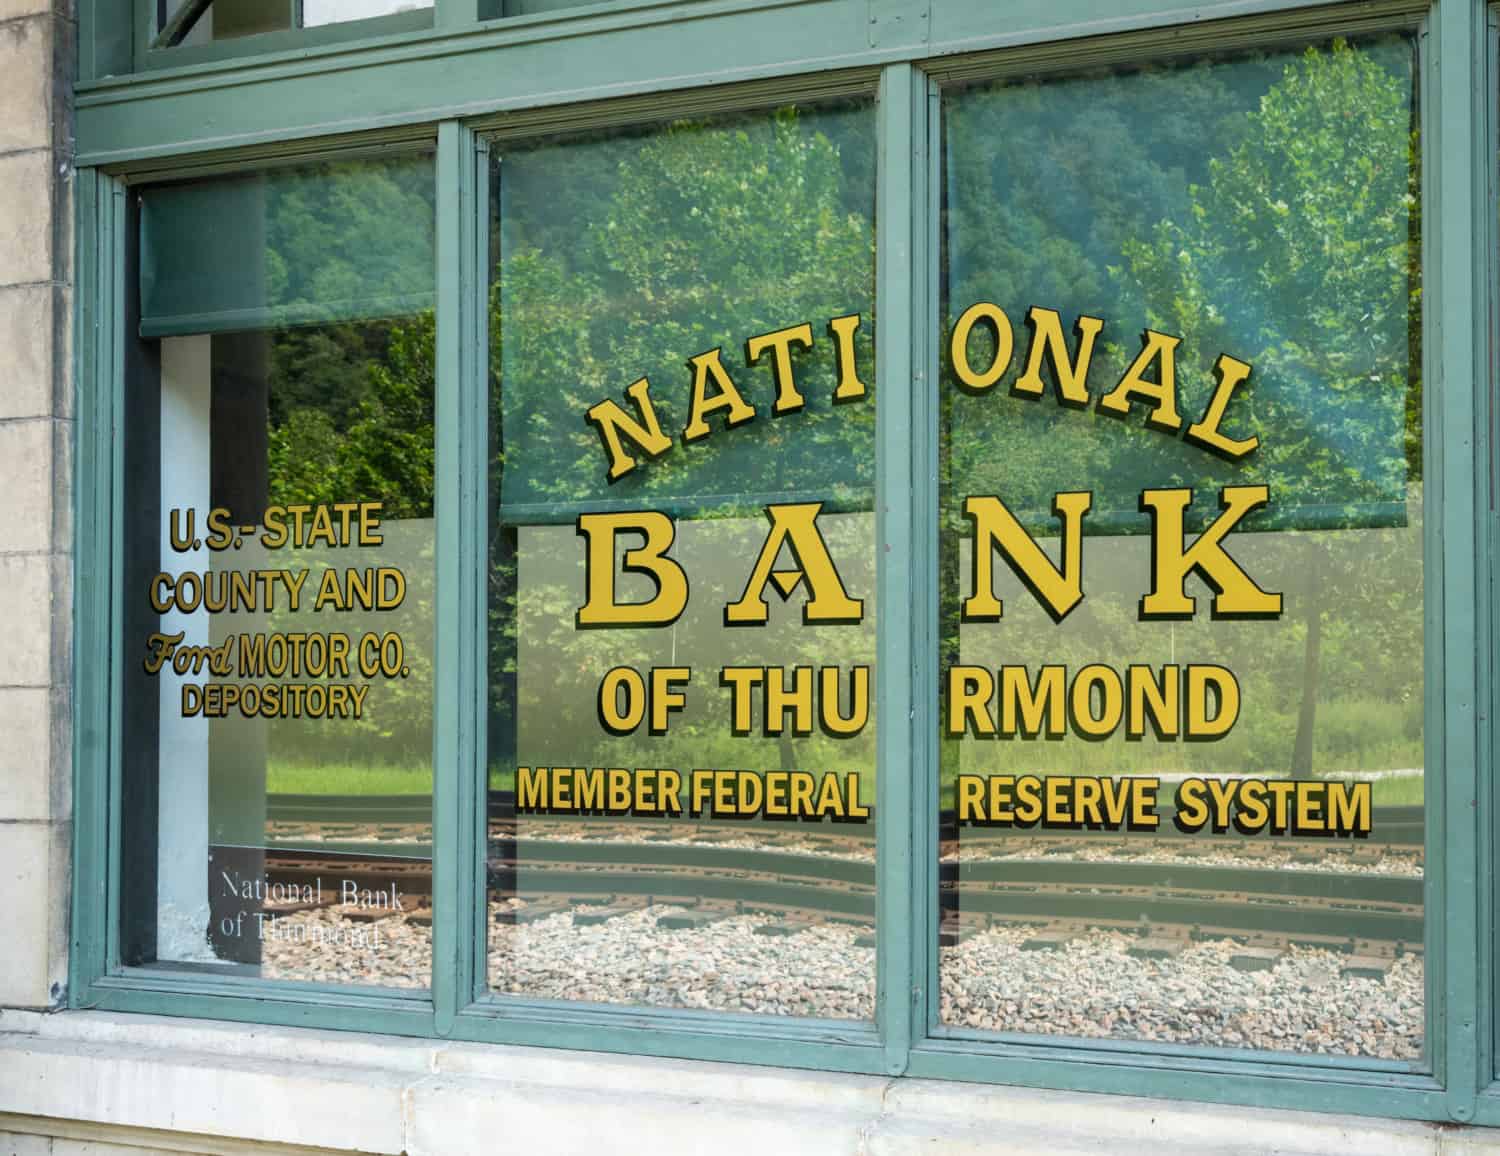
(36, 439)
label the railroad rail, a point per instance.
(411, 815)
(600, 866)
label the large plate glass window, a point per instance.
(278, 577)
(1182, 594)
(681, 584)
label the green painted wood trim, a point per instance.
(276, 316)
(1434, 733)
(656, 49)
(331, 1009)
(181, 19)
(462, 384)
(1487, 1108)
(297, 40)
(310, 150)
(827, 1045)
(456, 14)
(96, 978)
(110, 386)
(95, 317)
(173, 990)
(1488, 230)
(459, 831)
(143, 29)
(711, 100)
(1290, 27)
(98, 366)
(198, 981)
(105, 46)
(450, 722)
(1221, 1073)
(1455, 279)
(926, 281)
(474, 400)
(896, 688)
(1487, 242)
(897, 29)
(568, 23)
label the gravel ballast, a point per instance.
(1088, 986)
(1091, 988)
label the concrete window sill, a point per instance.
(119, 1083)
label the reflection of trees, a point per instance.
(622, 256)
(1300, 253)
(1275, 218)
(563, 666)
(1302, 249)
(381, 447)
(351, 398)
(351, 402)
(371, 440)
(1265, 207)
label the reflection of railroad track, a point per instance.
(603, 867)
(408, 818)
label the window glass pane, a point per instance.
(278, 602)
(335, 11)
(231, 19)
(284, 247)
(706, 853)
(490, 9)
(1163, 574)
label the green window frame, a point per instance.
(621, 63)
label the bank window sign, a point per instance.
(1179, 578)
